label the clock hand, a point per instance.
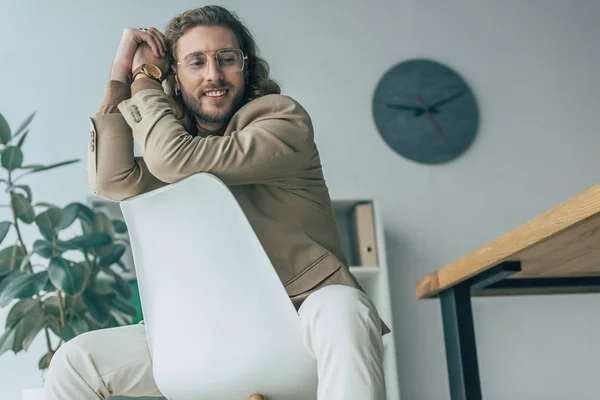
(446, 100)
(418, 110)
(403, 107)
(437, 127)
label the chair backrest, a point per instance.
(219, 323)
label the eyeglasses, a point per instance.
(228, 60)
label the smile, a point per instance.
(216, 93)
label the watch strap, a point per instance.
(141, 69)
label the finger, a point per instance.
(160, 44)
(160, 38)
(149, 38)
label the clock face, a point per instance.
(425, 111)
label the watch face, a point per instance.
(153, 70)
(425, 111)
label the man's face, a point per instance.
(210, 93)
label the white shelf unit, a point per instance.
(373, 279)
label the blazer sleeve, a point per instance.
(267, 141)
(113, 171)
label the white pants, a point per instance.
(341, 329)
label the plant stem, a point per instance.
(61, 309)
(16, 223)
(49, 344)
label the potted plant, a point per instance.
(64, 285)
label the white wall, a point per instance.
(534, 68)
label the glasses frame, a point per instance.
(214, 58)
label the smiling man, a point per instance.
(219, 112)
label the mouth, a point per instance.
(215, 94)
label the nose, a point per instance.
(213, 72)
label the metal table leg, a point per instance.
(459, 334)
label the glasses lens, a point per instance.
(196, 63)
(230, 60)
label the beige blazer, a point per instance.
(268, 159)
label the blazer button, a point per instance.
(135, 113)
(92, 141)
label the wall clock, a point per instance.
(425, 111)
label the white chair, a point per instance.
(219, 323)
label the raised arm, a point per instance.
(267, 141)
(113, 171)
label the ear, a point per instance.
(174, 69)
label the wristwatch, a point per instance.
(150, 70)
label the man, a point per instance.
(221, 113)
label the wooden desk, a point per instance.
(556, 252)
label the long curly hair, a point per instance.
(258, 82)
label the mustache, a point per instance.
(219, 85)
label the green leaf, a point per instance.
(69, 279)
(73, 328)
(44, 362)
(24, 124)
(79, 325)
(26, 330)
(23, 208)
(74, 303)
(53, 322)
(10, 258)
(122, 265)
(101, 286)
(8, 278)
(119, 226)
(4, 131)
(121, 318)
(44, 204)
(33, 166)
(22, 286)
(123, 306)
(43, 248)
(86, 213)
(103, 224)
(51, 307)
(12, 158)
(70, 214)
(67, 333)
(26, 189)
(25, 262)
(22, 140)
(122, 287)
(7, 340)
(4, 228)
(48, 222)
(86, 242)
(40, 168)
(19, 310)
(86, 227)
(97, 306)
(49, 287)
(115, 255)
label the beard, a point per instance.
(218, 116)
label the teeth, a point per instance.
(216, 93)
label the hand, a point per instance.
(145, 55)
(131, 39)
